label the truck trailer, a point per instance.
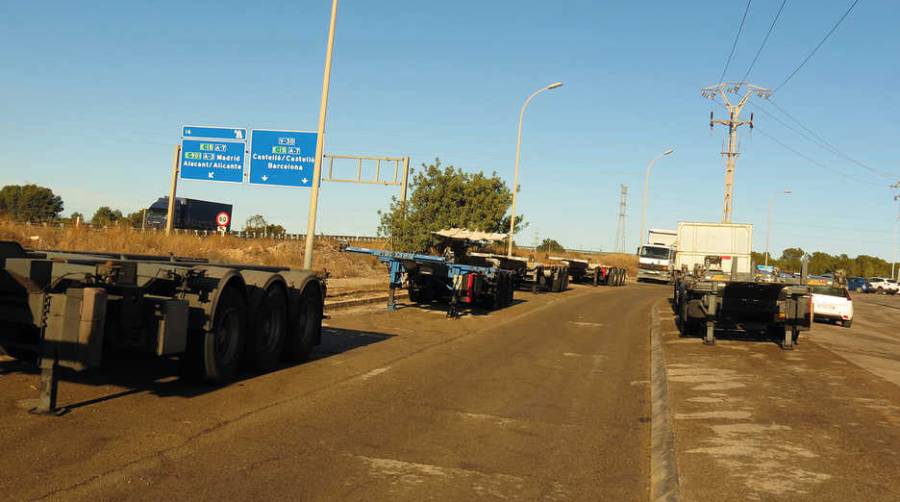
(190, 214)
(716, 290)
(430, 278)
(72, 309)
(583, 271)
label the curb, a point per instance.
(663, 467)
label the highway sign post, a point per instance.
(285, 158)
(213, 153)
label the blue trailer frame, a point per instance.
(454, 273)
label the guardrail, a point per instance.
(240, 234)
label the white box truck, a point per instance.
(713, 246)
(656, 259)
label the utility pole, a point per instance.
(620, 229)
(896, 187)
(723, 89)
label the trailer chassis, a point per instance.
(429, 276)
(65, 309)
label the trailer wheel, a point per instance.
(269, 330)
(305, 325)
(421, 290)
(220, 348)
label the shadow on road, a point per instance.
(140, 373)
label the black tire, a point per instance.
(305, 326)
(555, 281)
(268, 330)
(511, 293)
(414, 294)
(420, 291)
(214, 356)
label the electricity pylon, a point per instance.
(723, 89)
(620, 230)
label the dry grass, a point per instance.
(231, 249)
(216, 248)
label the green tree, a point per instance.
(446, 197)
(790, 259)
(258, 224)
(551, 246)
(135, 219)
(820, 263)
(29, 203)
(106, 216)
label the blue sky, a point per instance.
(94, 94)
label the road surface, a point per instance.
(545, 400)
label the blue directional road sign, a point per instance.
(285, 158)
(232, 133)
(213, 153)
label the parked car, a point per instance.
(859, 285)
(884, 286)
(832, 303)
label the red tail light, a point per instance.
(470, 288)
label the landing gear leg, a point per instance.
(392, 299)
(790, 335)
(46, 404)
(710, 338)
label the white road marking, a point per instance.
(582, 324)
(374, 373)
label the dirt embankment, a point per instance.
(224, 249)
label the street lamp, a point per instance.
(515, 187)
(646, 184)
(769, 223)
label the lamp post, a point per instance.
(769, 222)
(515, 187)
(646, 186)
(895, 275)
(320, 145)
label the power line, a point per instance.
(811, 54)
(829, 146)
(818, 142)
(802, 155)
(736, 38)
(766, 39)
(814, 161)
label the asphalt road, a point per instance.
(821, 422)
(545, 400)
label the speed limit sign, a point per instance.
(222, 219)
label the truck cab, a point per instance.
(656, 259)
(655, 263)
